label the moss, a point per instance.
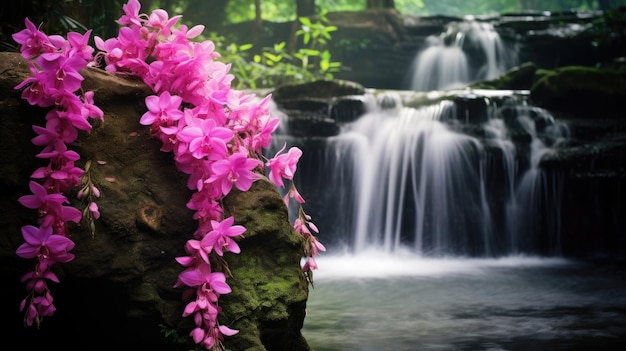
(604, 80)
(580, 90)
(517, 78)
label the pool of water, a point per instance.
(377, 302)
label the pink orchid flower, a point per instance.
(159, 19)
(212, 337)
(222, 236)
(237, 170)
(309, 265)
(79, 45)
(93, 208)
(131, 13)
(49, 205)
(163, 111)
(42, 242)
(293, 194)
(32, 41)
(60, 72)
(202, 276)
(205, 138)
(89, 109)
(283, 165)
(55, 129)
(40, 199)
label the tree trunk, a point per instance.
(258, 22)
(304, 8)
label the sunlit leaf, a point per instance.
(305, 21)
(324, 65)
(279, 46)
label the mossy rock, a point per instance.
(319, 89)
(580, 90)
(128, 267)
(517, 78)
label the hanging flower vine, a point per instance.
(216, 134)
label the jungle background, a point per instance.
(296, 47)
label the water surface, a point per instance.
(375, 302)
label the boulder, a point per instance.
(581, 90)
(118, 291)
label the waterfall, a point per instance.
(534, 195)
(437, 180)
(466, 52)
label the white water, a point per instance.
(444, 64)
(341, 265)
(404, 177)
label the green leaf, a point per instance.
(309, 52)
(324, 65)
(272, 57)
(279, 46)
(305, 21)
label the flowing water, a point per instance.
(443, 233)
(405, 176)
(380, 302)
(466, 52)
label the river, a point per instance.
(401, 302)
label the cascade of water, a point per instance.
(439, 67)
(437, 179)
(467, 51)
(535, 199)
(418, 182)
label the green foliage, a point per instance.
(609, 34)
(177, 340)
(277, 11)
(315, 34)
(410, 6)
(275, 65)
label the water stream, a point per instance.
(443, 231)
(466, 52)
(381, 302)
(448, 238)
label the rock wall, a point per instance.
(118, 291)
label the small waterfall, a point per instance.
(534, 201)
(466, 52)
(437, 179)
(412, 169)
(440, 67)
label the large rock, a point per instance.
(581, 90)
(118, 291)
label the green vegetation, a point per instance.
(276, 65)
(305, 58)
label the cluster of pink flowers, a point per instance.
(216, 134)
(55, 64)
